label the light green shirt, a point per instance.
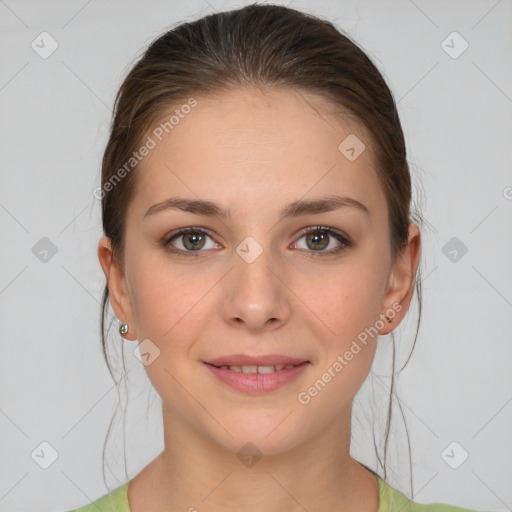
(390, 500)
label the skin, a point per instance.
(254, 152)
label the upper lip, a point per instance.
(262, 360)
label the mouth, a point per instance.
(247, 369)
(264, 360)
(257, 375)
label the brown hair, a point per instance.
(261, 46)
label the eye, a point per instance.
(191, 240)
(320, 237)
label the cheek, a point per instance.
(168, 303)
(167, 309)
(345, 299)
(161, 295)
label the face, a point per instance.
(257, 278)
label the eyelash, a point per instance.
(345, 242)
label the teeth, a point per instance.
(257, 369)
(266, 369)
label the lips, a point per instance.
(257, 374)
(257, 368)
(257, 379)
(266, 360)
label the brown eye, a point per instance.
(193, 241)
(189, 240)
(318, 238)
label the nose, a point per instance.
(255, 296)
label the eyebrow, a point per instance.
(294, 209)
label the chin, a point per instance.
(263, 433)
(245, 444)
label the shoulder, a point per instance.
(115, 501)
(392, 500)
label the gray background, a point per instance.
(55, 111)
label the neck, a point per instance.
(195, 473)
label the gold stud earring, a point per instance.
(123, 329)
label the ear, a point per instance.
(119, 298)
(400, 286)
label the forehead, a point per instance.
(254, 148)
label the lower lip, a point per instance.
(258, 382)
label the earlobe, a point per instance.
(118, 294)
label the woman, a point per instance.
(257, 241)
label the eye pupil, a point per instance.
(196, 237)
(318, 236)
